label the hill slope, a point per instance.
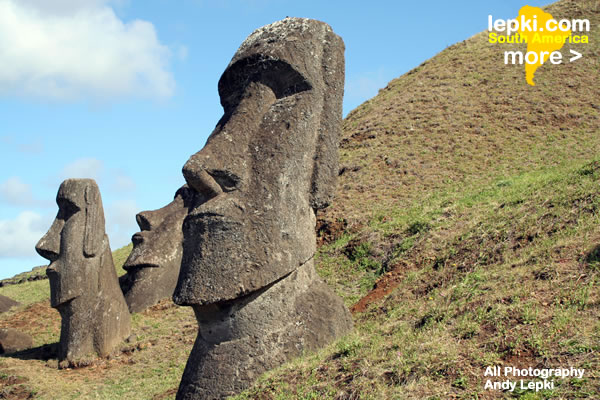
(463, 117)
(470, 202)
(465, 233)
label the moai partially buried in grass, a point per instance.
(249, 238)
(83, 281)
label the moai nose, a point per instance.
(201, 181)
(146, 220)
(49, 245)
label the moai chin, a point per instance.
(153, 264)
(249, 237)
(83, 281)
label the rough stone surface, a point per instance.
(269, 163)
(153, 265)
(238, 341)
(6, 303)
(249, 237)
(12, 341)
(83, 282)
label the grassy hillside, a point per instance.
(470, 202)
(465, 233)
(465, 118)
(149, 364)
(498, 274)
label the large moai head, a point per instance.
(83, 281)
(249, 236)
(153, 264)
(270, 163)
(75, 241)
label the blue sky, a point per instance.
(125, 91)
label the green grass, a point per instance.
(475, 197)
(120, 256)
(28, 292)
(509, 288)
(34, 297)
(151, 364)
(430, 130)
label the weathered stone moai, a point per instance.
(153, 264)
(249, 238)
(83, 281)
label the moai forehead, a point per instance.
(268, 165)
(289, 56)
(85, 196)
(80, 211)
(76, 191)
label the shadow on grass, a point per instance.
(44, 353)
(593, 257)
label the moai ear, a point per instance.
(325, 171)
(326, 167)
(94, 222)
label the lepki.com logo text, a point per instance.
(544, 37)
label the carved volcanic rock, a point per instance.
(83, 281)
(249, 237)
(153, 264)
(238, 341)
(270, 162)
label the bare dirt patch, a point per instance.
(11, 387)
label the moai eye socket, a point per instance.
(143, 222)
(226, 179)
(279, 75)
(66, 208)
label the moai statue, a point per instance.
(83, 281)
(153, 265)
(249, 238)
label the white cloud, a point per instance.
(71, 49)
(62, 6)
(83, 168)
(120, 222)
(123, 183)
(122, 213)
(19, 236)
(15, 191)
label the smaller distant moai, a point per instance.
(153, 264)
(83, 282)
